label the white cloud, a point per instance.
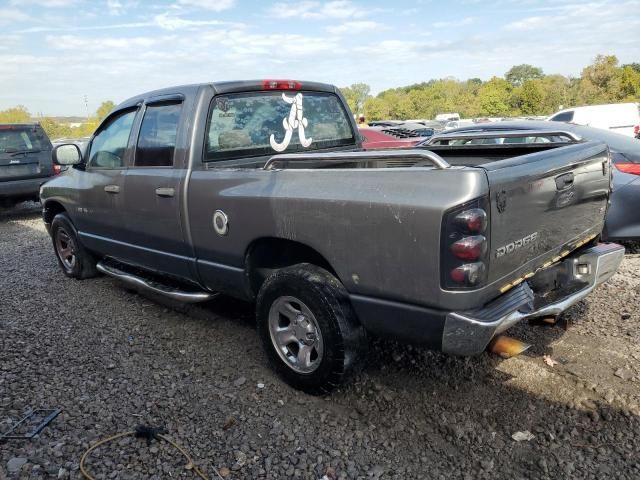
(215, 5)
(311, 9)
(44, 3)
(11, 15)
(8, 42)
(164, 21)
(71, 42)
(356, 26)
(454, 23)
(115, 7)
(171, 22)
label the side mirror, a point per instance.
(67, 154)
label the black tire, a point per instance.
(66, 245)
(342, 338)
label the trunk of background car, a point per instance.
(25, 152)
(544, 204)
(21, 166)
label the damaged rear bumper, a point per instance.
(469, 332)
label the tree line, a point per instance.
(524, 90)
(55, 129)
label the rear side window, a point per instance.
(563, 117)
(110, 143)
(21, 139)
(157, 139)
(266, 123)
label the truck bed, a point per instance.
(545, 200)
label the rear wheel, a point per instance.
(73, 258)
(308, 328)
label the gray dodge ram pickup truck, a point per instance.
(261, 190)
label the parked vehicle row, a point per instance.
(261, 190)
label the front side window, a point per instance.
(266, 123)
(110, 143)
(157, 139)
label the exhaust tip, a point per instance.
(507, 347)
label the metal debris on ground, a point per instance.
(31, 424)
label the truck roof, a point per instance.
(229, 87)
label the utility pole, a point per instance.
(86, 105)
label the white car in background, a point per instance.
(621, 118)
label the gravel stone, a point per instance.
(114, 359)
(15, 464)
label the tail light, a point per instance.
(469, 273)
(632, 168)
(474, 220)
(636, 130)
(281, 85)
(470, 248)
(465, 242)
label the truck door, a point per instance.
(100, 200)
(154, 236)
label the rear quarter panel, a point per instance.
(379, 229)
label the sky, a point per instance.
(54, 54)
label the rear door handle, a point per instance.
(112, 188)
(564, 181)
(165, 192)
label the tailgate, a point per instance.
(545, 203)
(24, 165)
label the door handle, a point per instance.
(165, 192)
(112, 188)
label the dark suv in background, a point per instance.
(25, 162)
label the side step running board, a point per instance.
(155, 287)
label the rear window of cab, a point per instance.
(268, 123)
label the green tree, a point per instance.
(104, 109)
(556, 90)
(635, 66)
(519, 74)
(17, 114)
(54, 129)
(629, 83)
(495, 97)
(376, 108)
(356, 95)
(600, 81)
(531, 96)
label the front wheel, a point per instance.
(74, 259)
(308, 328)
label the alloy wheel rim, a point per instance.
(295, 334)
(66, 249)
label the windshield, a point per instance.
(21, 139)
(266, 123)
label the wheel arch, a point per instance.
(266, 254)
(50, 209)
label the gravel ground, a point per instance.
(113, 359)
